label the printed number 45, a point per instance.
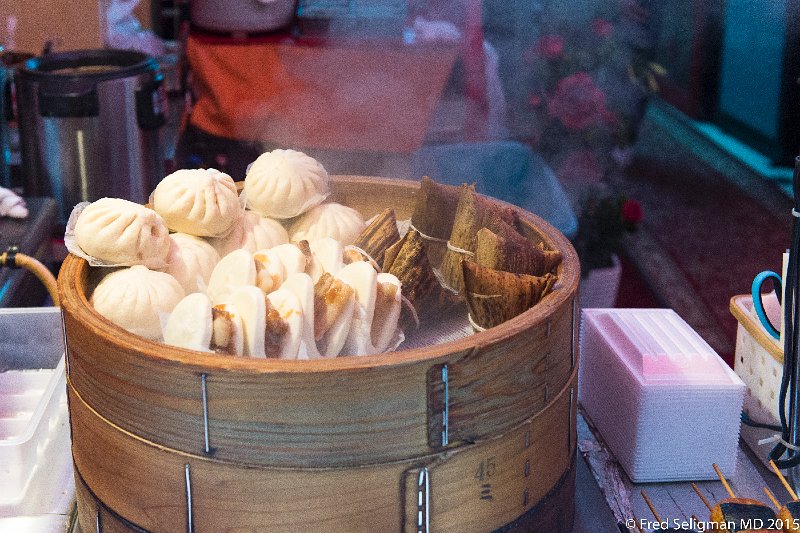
(486, 469)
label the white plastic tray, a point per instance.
(35, 461)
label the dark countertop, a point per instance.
(19, 288)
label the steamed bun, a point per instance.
(120, 232)
(252, 233)
(285, 183)
(132, 298)
(191, 261)
(328, 220)
(201, 202)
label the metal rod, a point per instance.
(423, 501)
(446, 413)
(207, 445)
(189, 519)
(791, 284)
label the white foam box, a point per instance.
(665, 403)
(35, 462)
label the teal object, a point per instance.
(506, 170)
(758, 304)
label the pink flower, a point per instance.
(535, 100)
(577, 102)
(550, 46)
(581, 166)
(602, 27)
(632, 212)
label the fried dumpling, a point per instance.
(284, 329)
(334, 301)
(363, 279)
(387, 312)
(196, 325)
(302, 287)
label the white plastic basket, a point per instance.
(35, 464)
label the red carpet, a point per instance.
(703, 238)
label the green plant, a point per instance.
(603, 221)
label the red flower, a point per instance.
(577, 102)
(602, 27)
(632, 212)
(549, 46)
(535, 100)
(580, 166)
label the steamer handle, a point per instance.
(151, 103)
(12, 258)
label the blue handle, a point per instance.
(758, 305)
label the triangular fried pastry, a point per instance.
(473, 213)
(408, 260)
(379, 235)
(435, 208)
(494, 296)
(509, 251)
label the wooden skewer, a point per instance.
(636, 524)
(772, 498)
(705, 500)
(785, 483)
(651, 506)
(724, 481)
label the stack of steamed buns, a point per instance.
(264, 274)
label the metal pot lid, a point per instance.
(82, 68)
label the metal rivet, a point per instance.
(527, 438)
(525, 498)
(527, 469)
(548, 328)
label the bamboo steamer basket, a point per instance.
(167, 439)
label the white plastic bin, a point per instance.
(662, 399)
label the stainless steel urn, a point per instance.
(90, 126)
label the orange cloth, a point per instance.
(364, 96)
